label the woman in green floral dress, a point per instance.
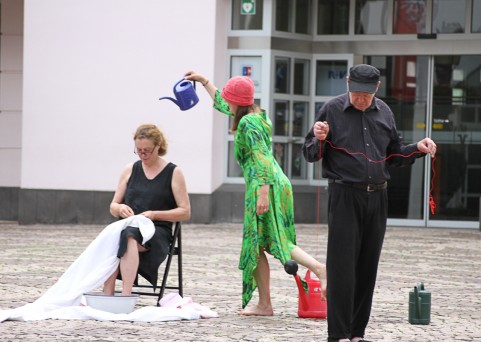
(269, 211)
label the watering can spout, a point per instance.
(171, 99)
(291, 267)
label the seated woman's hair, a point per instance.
(153, 133)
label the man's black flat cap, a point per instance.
(363, 78)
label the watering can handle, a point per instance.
(417, 299)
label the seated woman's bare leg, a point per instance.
(129, 263)
(109, 284)
(315, 266)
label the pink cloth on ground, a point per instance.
(174, 300)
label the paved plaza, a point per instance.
(448, 261)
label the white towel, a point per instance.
(89, 272)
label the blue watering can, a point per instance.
(185, 95)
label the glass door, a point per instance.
(456, 130)
(404, 87)
(437, 96)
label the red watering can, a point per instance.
(311, 304)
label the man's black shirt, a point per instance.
(372, 133)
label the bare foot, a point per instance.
(321, 273)
(256, 310)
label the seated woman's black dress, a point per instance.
(145, 194)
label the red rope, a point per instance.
(432, 203)
(319, 188)
(371, 160)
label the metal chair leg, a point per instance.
(175, 249)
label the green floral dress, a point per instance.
(274, 231)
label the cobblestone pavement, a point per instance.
(448, 261)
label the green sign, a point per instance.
(248, 7)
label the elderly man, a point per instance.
(356, 137)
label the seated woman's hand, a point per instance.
(149, 214)
(125, 211)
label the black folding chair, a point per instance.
(175, 249)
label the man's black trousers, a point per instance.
(357, 224)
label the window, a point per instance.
(371, 17)
(281, 118)
(293, 16)
(300, 118)
(476, 17)
(233, 168)
(290, 115)
(280, 153)
(330, 77)
(409, 16)
(332, 17)
(301, 76)
(303, 15)
(290, 126)
(449, 16)
(282, 15)
(281, 72)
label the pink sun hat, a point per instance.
(239, 90)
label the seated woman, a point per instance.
(155, 188)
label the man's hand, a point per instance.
(427, 146)
(321, 129)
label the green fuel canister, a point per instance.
(419, 305)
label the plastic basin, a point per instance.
(114, 304)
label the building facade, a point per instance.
(78, 77)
